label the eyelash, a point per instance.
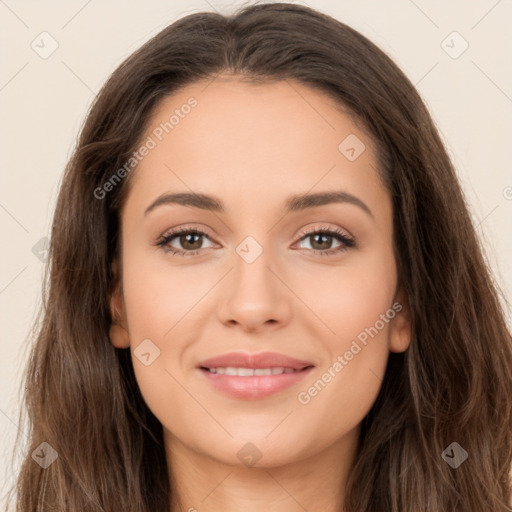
(164, 240)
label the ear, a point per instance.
(118, 334)
(401, 325)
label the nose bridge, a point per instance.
(251, 264)
(255, 295)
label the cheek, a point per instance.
(159, 296)
(341, 394)
(358, 311)
(351, 297)
(163, 305)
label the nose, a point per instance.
(254, 296)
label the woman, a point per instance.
(332, 338)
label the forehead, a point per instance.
(243, 140)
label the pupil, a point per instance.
(187, 237)
(315, 237)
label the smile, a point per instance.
(253, 383)
(253, 376)
(249, 372)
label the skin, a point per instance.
(253, 146)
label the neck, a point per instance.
(314, 483)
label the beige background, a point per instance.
(44, 100)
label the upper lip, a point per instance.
(261, 360)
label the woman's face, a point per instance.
(261, 279)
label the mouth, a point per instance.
(253, 383)
(253, 377)
(250, 372)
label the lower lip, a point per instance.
(254, 387)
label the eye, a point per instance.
(189, 239)
(321, 237)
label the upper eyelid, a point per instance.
(204, 231)
(342, 231)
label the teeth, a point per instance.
(249, 372)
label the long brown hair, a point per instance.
(453, 384)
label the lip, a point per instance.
(260, 360)
(254, 387)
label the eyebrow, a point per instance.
(293, 204)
